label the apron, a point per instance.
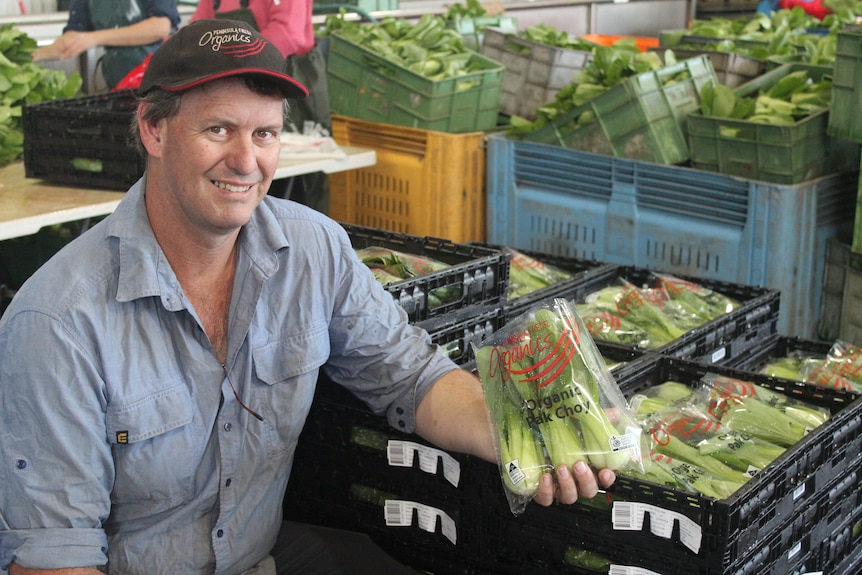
(118, 60)
(243, 14)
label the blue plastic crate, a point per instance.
(670, 218)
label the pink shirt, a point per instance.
(285, 23)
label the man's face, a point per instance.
(215, 159)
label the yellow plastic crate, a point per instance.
(425, 183)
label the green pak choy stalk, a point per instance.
(520, 450)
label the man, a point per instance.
(156, 373)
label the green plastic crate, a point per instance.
(472, 29)
(779, 154)
(364, 85)
(731, 68)
(856, 246)
(330, 6)
(640, 118)
(844, 120)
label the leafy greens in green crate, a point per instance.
(427, 48)
(24, 82)
(609, 66)
(794, 97)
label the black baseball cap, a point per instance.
(211, 49)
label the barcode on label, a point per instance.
(622, 516)
(628, 570)
(399, 513)
(402, 454)
(396, 453)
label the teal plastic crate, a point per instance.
(535, 72)
(472, 30)
(643, 117)
(364, 85)
(731, 68)
(845, 120)
(671, 218)
(779, 154)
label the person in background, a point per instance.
(129, 30)
(287, 24)
(156, 373)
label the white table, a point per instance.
(356, 158)
(27, 204)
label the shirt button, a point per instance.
(399, 410)
(21, 464)
(227, 483)
(220, 533)
(228, 426)
(401, 423)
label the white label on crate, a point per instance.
(799, 492)
(629, 516)
(401, 454)
(794, 551)
(718, 355)
(813, 573)
(629, 570)
(398, 513)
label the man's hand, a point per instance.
(571, 483)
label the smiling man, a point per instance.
(156, 373)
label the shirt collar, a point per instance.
(145, 272)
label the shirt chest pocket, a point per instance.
(286, 371)
(155, 450)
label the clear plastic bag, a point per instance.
(552, 400)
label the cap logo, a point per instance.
(237, 42)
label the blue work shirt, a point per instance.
(121, 438)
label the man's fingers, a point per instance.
(545, 496)
(586, 479)
(567, 489)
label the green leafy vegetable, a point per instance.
(23, 82)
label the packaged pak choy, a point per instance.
(552, 400)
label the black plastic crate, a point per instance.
(83, 141)
(773, 525)
(532, 548)
(716, 341)
(775, 347)
(349, 462)
(339, 421)
(733, 527)
(841, 552)
(480, 274)
(458, 332)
